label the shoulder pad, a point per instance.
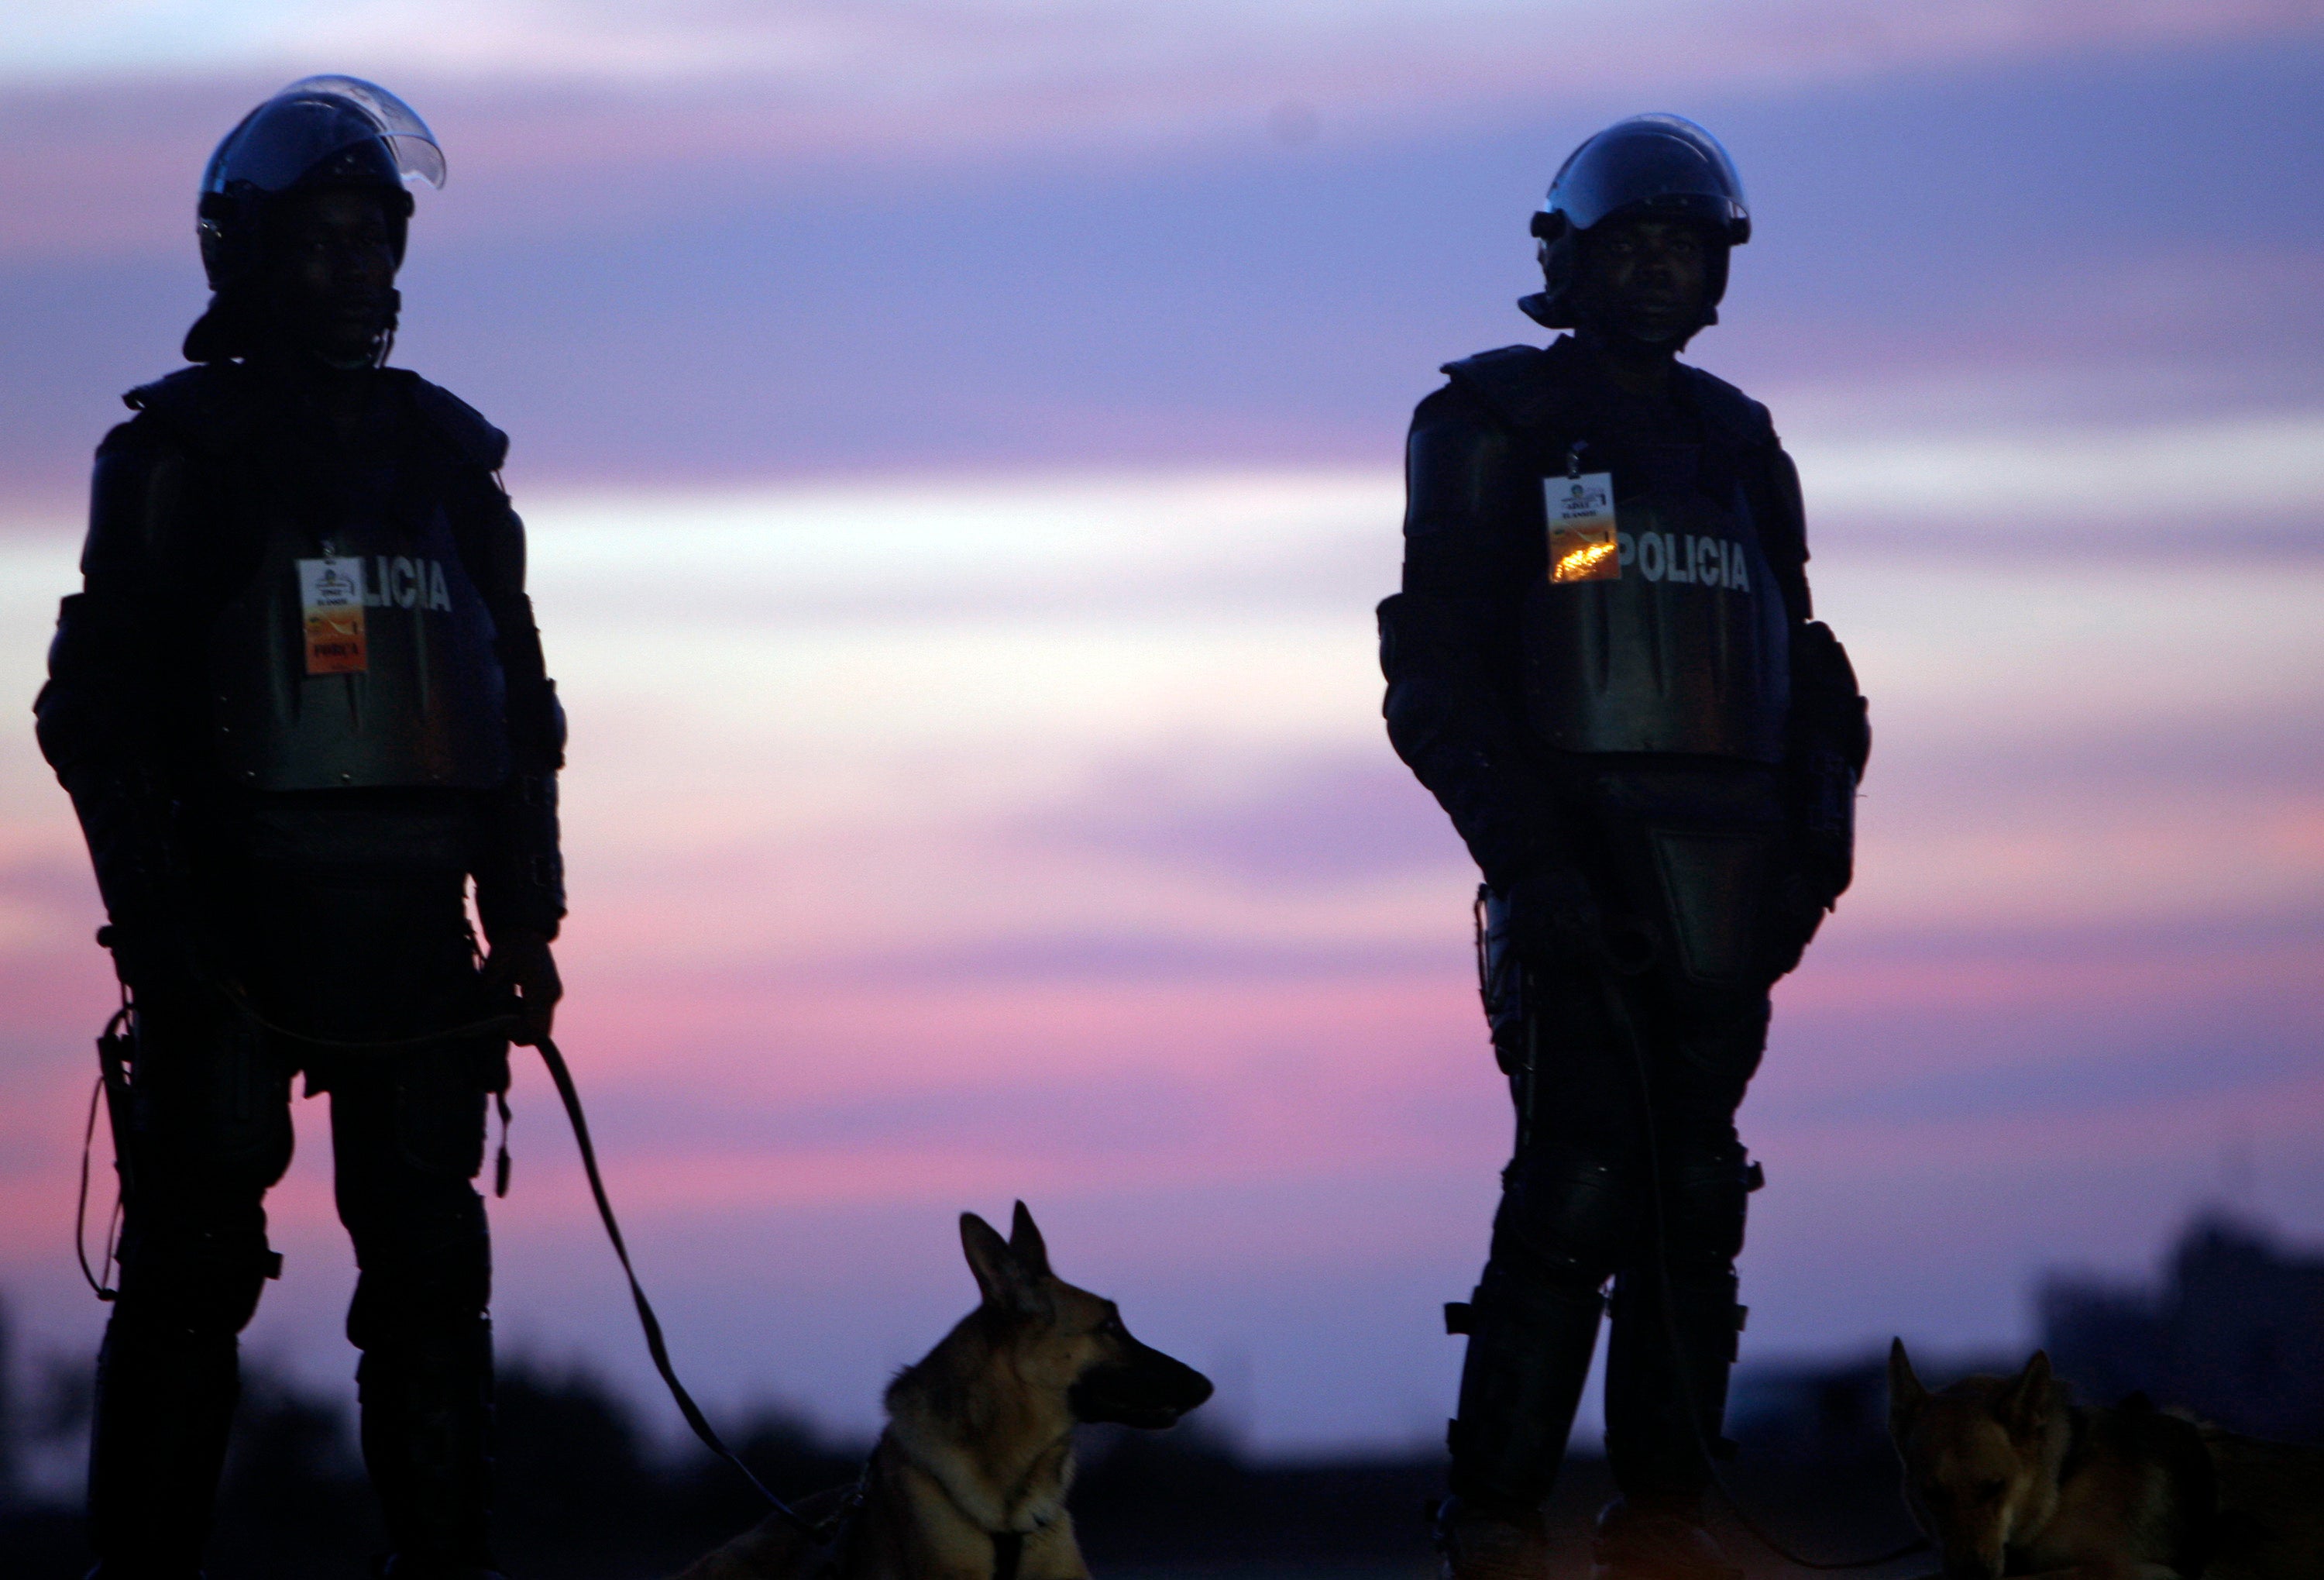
(1520, 384)
(1741, 420)
(206, 405)
(474, 439)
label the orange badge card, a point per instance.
(331, 593)
(1582, 546)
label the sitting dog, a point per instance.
(2008, 1476)
(968, 1481)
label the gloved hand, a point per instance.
(1796, 910)
(521, 963)
(1551, 913)
(1825, 822)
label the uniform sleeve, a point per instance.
(520, 868)
(98, 717)
(1830, 733)
(1828, 709)
(1778, 503)
(1449, 643)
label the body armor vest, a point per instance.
(1687, 649)
(359, 655)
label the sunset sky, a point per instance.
(961, 443)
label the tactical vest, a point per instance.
(359, 654)
(1684, 648)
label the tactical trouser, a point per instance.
(1624, 1060)
(354, 952)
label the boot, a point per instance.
(1529, 1348)
(1657, 1536)
(427, 1422)
(1654, 1445)
(164, 1405)
(1490, 1543)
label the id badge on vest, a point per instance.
(331, 596)
(1582, 544)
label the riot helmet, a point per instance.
(320, 134)
(1657, 165)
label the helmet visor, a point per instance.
(315, 119)
(1654, 163)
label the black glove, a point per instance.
(1824, 823)
(1794, 911)
(1831, 739)
(521, 967)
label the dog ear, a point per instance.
(1003, 1280)
(1905, 1394)
(1025, 1240)
(2024, 1406)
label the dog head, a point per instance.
(1981, 1459)
(1066, 1342)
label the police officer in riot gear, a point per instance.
(1602, 664)
(300, 706)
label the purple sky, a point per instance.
(960, 465)
(672, 312)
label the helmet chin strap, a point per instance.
(385, 342)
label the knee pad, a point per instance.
(456, 1358)
(206, 1281)
(432, 1276)
(1573, 1218)
(1705, 1200)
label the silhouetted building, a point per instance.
(2235, 1333)
(1831, 1412)
(10, 1427)
(1809, 1412)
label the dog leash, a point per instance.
(822, 1533)
(1617, 1011)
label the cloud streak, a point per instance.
(905, 50)
(534, 86)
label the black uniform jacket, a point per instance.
(123, 718)
(1450, 640)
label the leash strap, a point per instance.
(566, 1093)
(500, 1024)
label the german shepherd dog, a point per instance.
(968, 1481)
(2007, 1475)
